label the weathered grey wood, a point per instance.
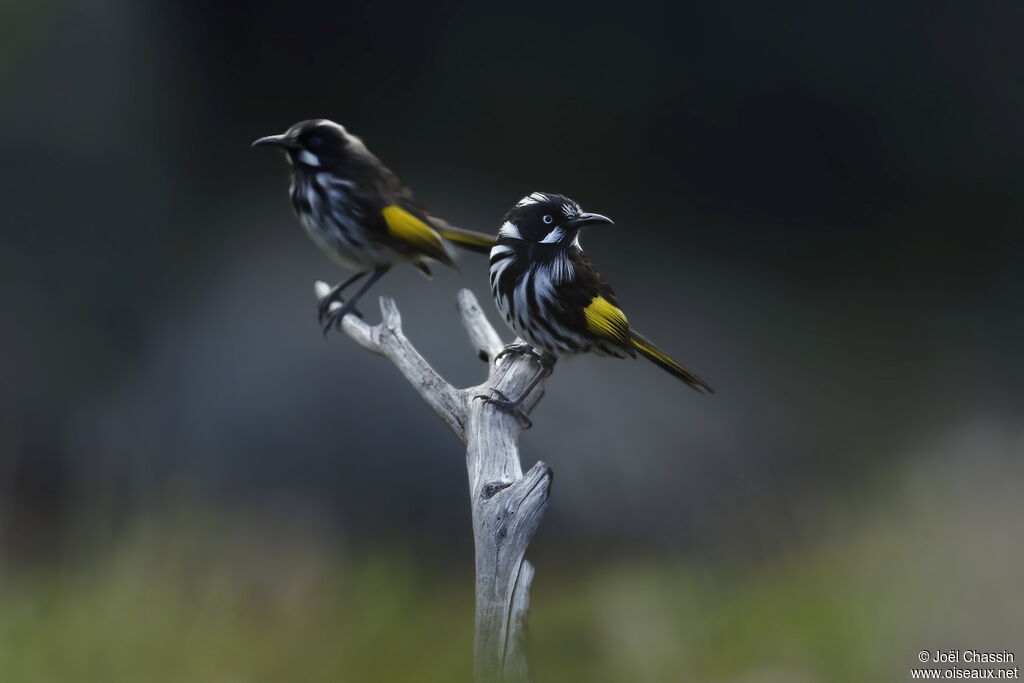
(486, 342)
(506, 505)
(386, 338)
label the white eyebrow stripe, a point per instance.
(510, 230)
(555, 235)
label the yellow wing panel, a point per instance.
(412, 231)
(607, 321)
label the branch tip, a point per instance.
(390, 316)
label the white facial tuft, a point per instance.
(308, 158)
(556, 235)
(510, 230)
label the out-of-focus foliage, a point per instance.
(213, 600)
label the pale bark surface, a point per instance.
(507, 506)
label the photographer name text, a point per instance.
(966, 656)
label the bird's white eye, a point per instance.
(548, 219)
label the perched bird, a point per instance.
(554, 299)
(358, 212)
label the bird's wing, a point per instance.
(404, 219)
(414, 232)
(606, 321)
(590, 301)
(390, 186)
(467, 239)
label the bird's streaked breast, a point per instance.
(325, 207)
(526, 293)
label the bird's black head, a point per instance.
(317, 143)
(545, 218)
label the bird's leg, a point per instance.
(503, 402)
(335, 316)
(335, 295)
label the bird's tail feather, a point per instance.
(467, 239)
(664, 361)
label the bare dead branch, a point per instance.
(507, 506)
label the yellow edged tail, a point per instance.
(663, 360)
(467, 239)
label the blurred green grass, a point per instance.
(207, 598)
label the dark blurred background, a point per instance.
(818, 208)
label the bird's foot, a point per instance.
(334, 316)
(333, 297)
(517, 349)
(507, 405)
(325, 304)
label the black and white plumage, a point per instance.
(358, 212)
(553, 297)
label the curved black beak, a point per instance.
(274, 141)
(590, 219)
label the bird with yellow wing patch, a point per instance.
(553, 297)
(359, 213)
